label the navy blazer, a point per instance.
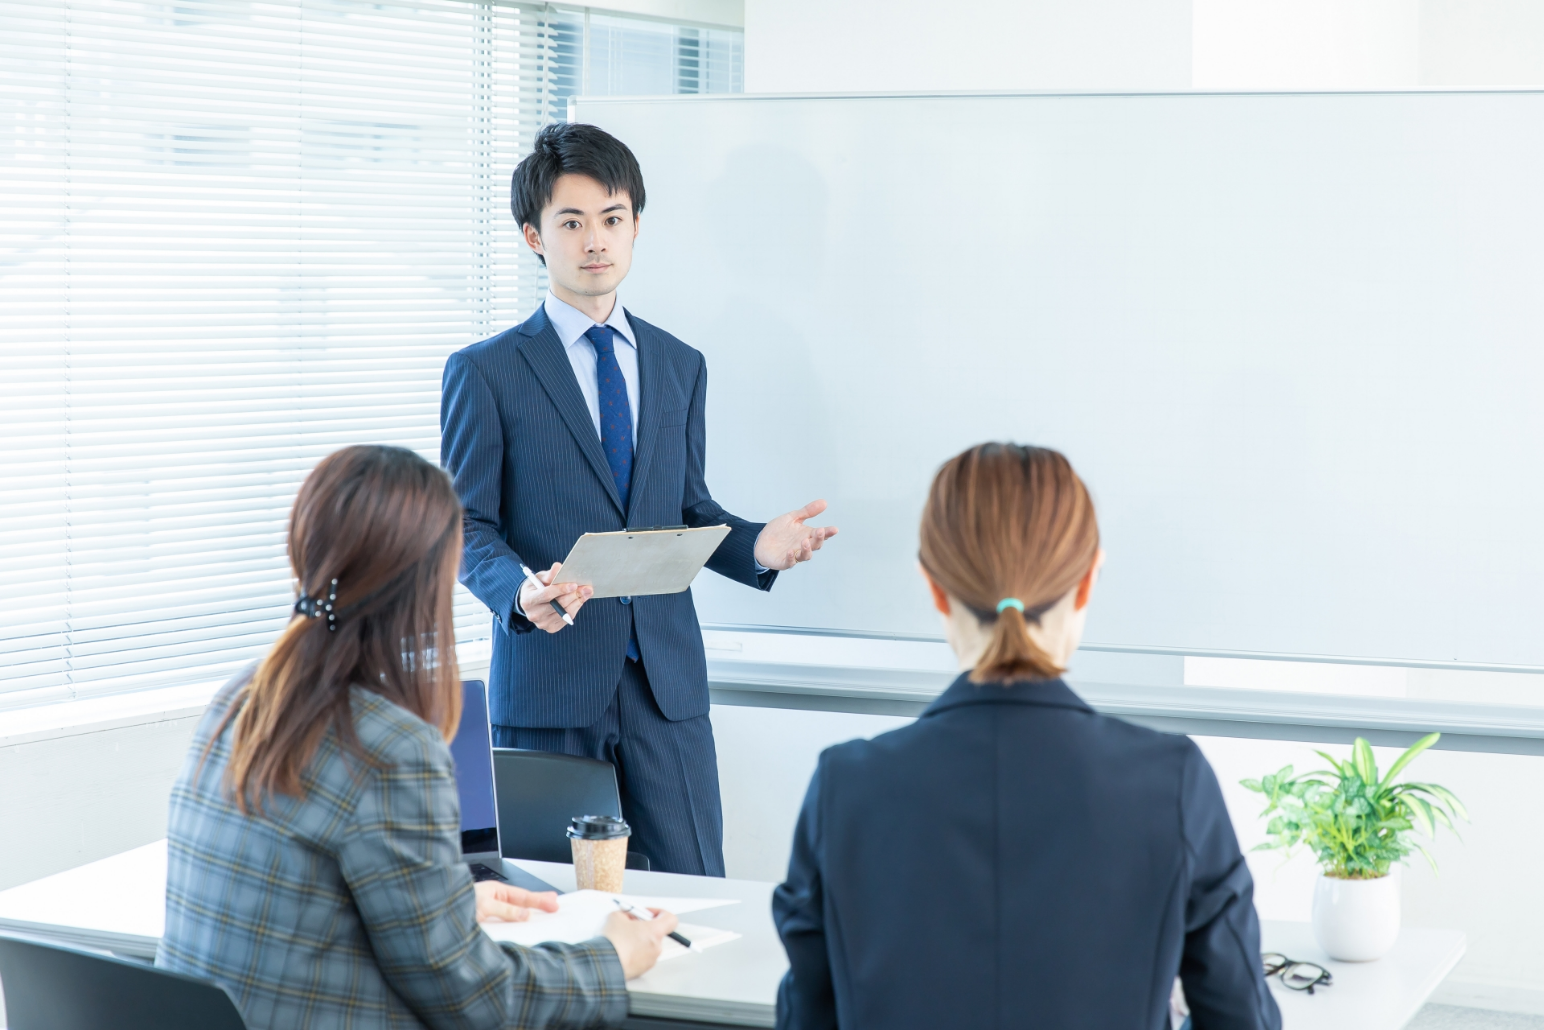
(1014, 859)
(518, 440)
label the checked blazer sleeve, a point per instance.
(472, 448)
(401, 858)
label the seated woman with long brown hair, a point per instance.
(314, 848)
(1013, 858)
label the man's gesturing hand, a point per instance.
(534, 602)
(786, 540)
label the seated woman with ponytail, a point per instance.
(1013, 858)
(314, 855)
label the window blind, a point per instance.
(595, 53)
(235, 235)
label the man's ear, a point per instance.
(1086, 585)
(532, 238)
(637, 221)
(940, 597)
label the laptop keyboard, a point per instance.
(481, 872)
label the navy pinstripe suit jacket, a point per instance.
(528, 465)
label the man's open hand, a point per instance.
(535, 602)
(786, 540)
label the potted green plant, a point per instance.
(1359, 827)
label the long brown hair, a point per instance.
(386, 525)
(1005, 521)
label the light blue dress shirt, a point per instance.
(571, 325)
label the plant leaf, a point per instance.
(1362, 758)
(1420, 813)
(1425, 854)
(1340, 768)
(1409, 755)
(1450, 798)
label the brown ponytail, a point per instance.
(1005, 521)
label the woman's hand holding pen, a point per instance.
(638, 942)
(538, 593)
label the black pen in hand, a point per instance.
(647, 916)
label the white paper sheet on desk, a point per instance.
(582, 914)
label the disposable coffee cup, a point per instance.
(599, 844)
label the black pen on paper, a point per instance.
(647, 916)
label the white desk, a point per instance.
(118, 904)
(1382, 995)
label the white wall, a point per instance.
(840, 45)
(765, 759)
(1482, 43)
(76, 797)
(868, 45)
(1296, 44)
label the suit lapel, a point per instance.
(649, 385)
(543, 351)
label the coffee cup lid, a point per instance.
(598, 827)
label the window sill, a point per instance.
(67, 718)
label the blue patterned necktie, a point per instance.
(616, 415)
(616, 426)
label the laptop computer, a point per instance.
(472, 751)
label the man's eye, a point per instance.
(614, 220)
(570, 224)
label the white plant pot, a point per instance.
(1356, 920)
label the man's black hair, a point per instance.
(567, 149)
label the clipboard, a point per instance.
(639, 562)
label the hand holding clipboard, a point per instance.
(633, 562)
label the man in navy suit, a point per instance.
(585, 418)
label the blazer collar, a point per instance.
(544, 352)
(1046, 693)
(649, 385)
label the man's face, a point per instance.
(586, 235)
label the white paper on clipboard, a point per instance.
(639, 562)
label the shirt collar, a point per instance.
(571, 323)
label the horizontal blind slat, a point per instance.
(233, 238)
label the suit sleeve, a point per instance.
(401, 859)
(1224, 984)
(806, 999)
(736, 557)
(472, 451)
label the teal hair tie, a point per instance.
(1010, 602)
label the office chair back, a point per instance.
(48, 987)
(539, 792)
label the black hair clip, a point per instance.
(315, 607)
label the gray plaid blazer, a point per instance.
(352, 907)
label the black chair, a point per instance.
(539, 792)
(48, 987)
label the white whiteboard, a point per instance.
(1294, 344)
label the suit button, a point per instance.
(627, 600)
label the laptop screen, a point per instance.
(473, 753)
